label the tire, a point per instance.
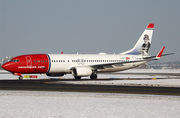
(20, 77)
(93, 76)
(77, 77)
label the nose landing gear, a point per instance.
(20, 77)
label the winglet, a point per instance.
(160, 53)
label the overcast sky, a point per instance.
(87, 26)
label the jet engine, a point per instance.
(81, 71)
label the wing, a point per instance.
(110, 65)
(145, 59)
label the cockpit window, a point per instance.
(14, 60)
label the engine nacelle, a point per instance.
(55, 74)
(81, 71)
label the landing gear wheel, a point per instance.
(20, 77)
(93, 76)
(77, 77)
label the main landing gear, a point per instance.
(77, 77)
(20, 77)
(93, 76)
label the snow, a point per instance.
(158, 82)
(150, 71)
(121, 74)
(37, 104)
(126, 79)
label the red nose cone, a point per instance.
(6, 66)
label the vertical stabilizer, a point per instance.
(143, 44)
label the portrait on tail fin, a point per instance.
(143, 44)
(144, 50)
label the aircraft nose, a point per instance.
(6, 66)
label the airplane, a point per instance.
(83, 65)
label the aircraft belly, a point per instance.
(58, 68)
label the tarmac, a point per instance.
(61, 85)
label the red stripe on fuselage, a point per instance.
(32, 63)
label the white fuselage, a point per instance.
(62, 63)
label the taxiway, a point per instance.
(62, 86)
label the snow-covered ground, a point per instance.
(30, 104)
(158, 82)
(167, 81)
(150, 71)
(120, 74)
(38, 104)
(69, 76)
